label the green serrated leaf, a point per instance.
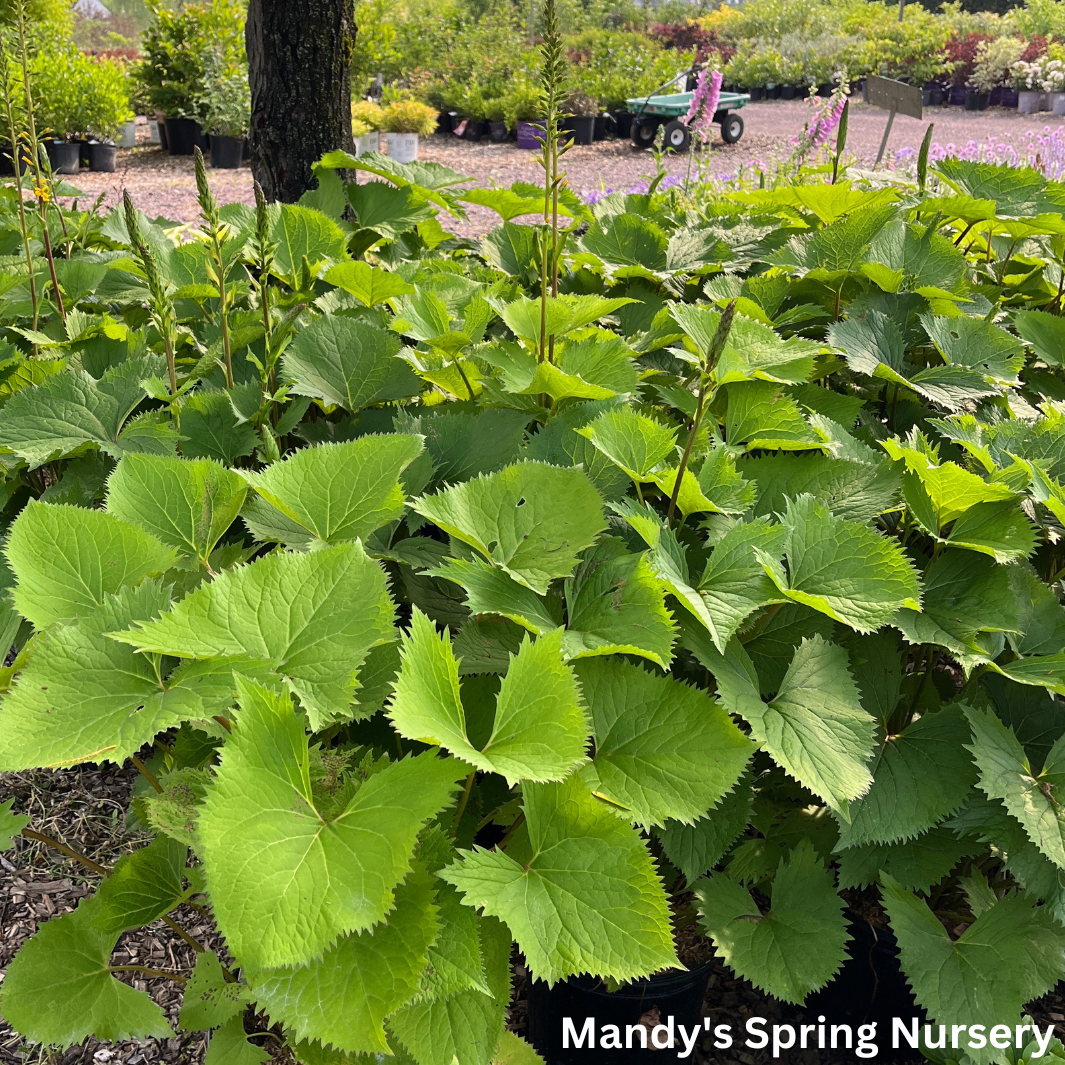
(1006, 774)
(815, 728)
(143, 887)
(83, 697)
(338, 492)
(342, 998)
(66, 560)
(230, 1046)
(795, 948)
(1011, 954)
(187, 505)
(286, 882)
(538, 730)
(916, 864)
(210, 1000)
(841, 568)
(530, 519)
(59, 990)
(336, 607)
(11, 825)
(587, 898)
(696, 848)
(348, 363)
(662, 749)
(920, 776)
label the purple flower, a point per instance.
(700, 116)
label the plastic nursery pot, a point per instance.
(870, 987)
(64, 156)
(470, 129)
(445, 121)
(994, 98)
(128, 137)
(1009, 98)
(7, 164)
(368, 142)
(674, 995)
(599, 128)
(936, 96)
(497, 132)
(772, 92)
(757, 92)
(957, 95)
(824, 90)
(83, 152)
(245, 151)
(403, 147)
(226, 152)
(975, 101)
(154, 131)
(788, 92)
(1028, 102)
(102, 157)
(531, 133)
(622, 122)
(583, 128)
(184, 136)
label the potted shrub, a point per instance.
(404, 122)
(178, 49)
(994, 63)
(495, 112)
(367, 120)
(58, 76)
(521, 110)
(583, 109)
(104, 104)
(226, 109)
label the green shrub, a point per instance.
(409, 116)
(178, 49)
(76, 95)
(226, 103)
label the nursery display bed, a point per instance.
(165, 185)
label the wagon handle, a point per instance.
(666, 84)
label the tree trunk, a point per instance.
(299, 68)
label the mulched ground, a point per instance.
(86, 809)
(165, 185)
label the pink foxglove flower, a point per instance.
(700, 116)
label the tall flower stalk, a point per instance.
(17, 141)
(216, 235)
(260, 263)
(162, 307)
(552, 87)
(700, 116)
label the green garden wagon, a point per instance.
(650, 112)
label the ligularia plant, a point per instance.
(686, 564)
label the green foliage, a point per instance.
(424, 504)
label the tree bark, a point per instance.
(299, 69)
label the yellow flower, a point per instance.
(42, 191)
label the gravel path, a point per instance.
(165, 185)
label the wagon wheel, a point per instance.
(677, 136)
(731, 128)
(643, 132)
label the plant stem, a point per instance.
(29, 833)
(717, 345)
(158, 974)
(146, 773)
(463, 801)
(175, 927)
(209, 210)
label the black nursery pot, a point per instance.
(869, 988)
(676, 995)
(583, 128)
(824, 90)
(757, 92)
(599, 128)
(788, 92)
(227, 153)
(63, 156)
(184, 136)
(936, 96)
(497, 131)
(102, 158)
(1008, 98)
(444, 122)
(473, 130)
(975, 101)
(7, 164)
(83, 153)
(957, 95)
(623, 123)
